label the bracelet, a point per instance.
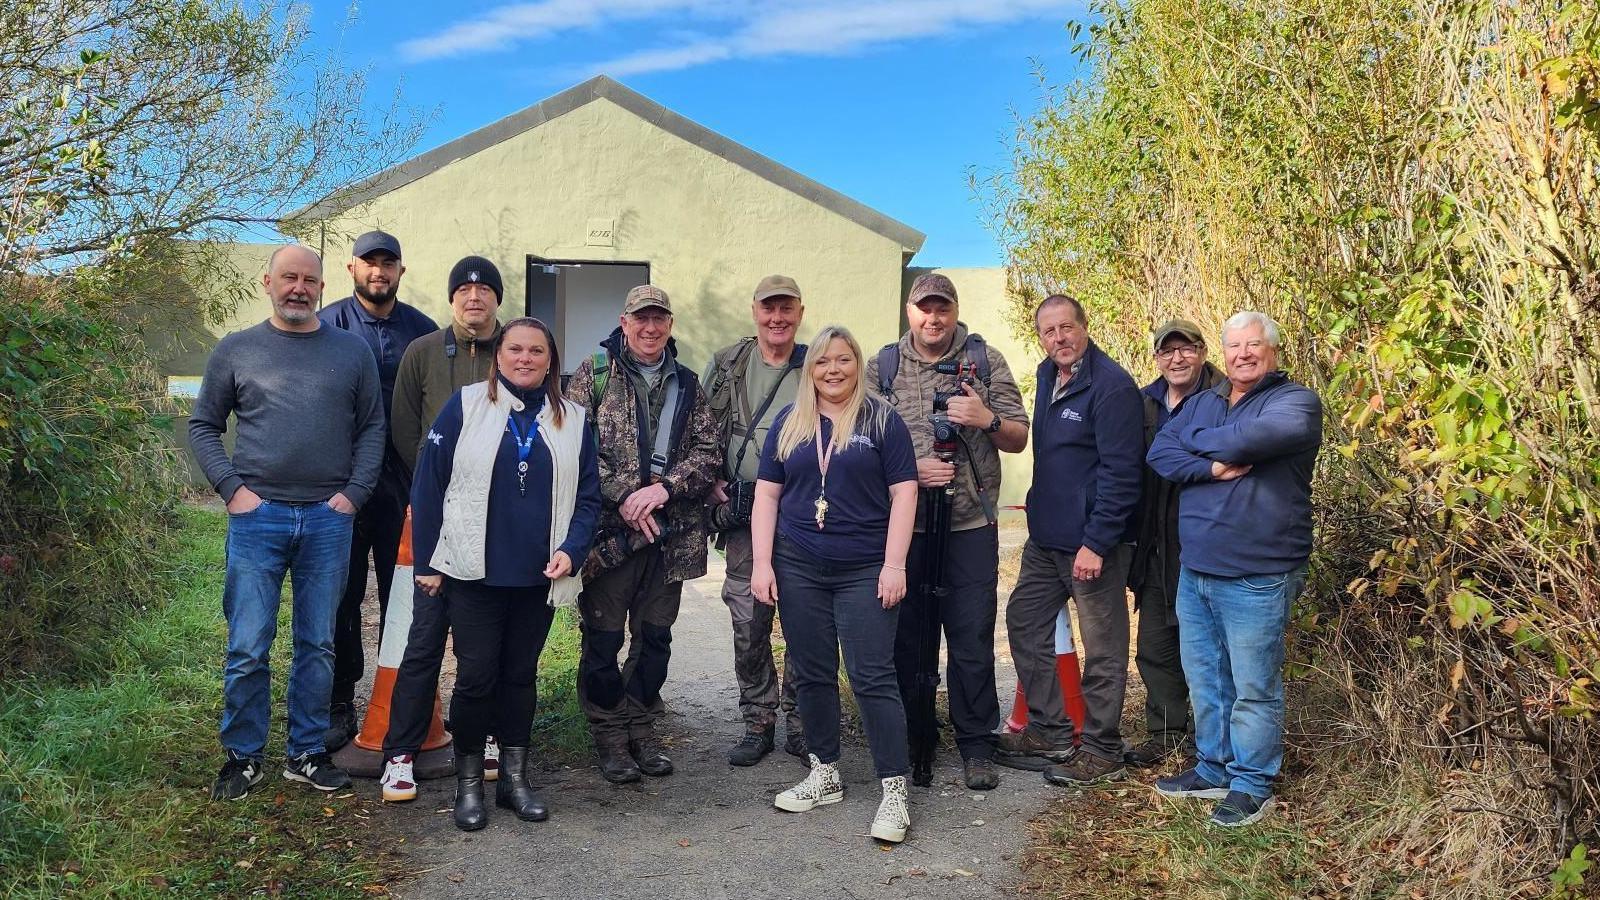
(896, 568)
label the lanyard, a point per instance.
(524, 447)
(823, 458)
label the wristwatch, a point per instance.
(994, 425)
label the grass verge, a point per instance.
(104, 783)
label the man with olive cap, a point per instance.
(1180, 353)
(374, 313)
(659, 458)
(747, 383)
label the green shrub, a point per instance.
(88, 481)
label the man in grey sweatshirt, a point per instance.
(307, 452)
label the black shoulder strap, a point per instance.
(796, 360)
(888, 368)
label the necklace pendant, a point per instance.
(821, 506)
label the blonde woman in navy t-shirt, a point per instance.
(835, 502)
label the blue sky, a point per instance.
(891, 103)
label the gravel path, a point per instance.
(710, 830)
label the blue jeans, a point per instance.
(824, 607)
(311, 542)
(1231, 636)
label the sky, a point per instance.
(895, 104)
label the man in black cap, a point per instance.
(435, 366)
(373, 313)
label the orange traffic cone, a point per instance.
(364, 755)
(1071, 683)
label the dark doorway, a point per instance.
(580, 300)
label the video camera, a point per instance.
(945, 432)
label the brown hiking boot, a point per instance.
(1028, 749)
(1085, 768)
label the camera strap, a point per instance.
(796, 360)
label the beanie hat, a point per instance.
(476, 270)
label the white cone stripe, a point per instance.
(1063, 629)
(397, 624)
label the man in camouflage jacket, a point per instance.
(653, 493)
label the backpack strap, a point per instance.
(601, 363)
(796, 360)
(888, 368)
(977, 351)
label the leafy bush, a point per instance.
(88, 479)
(1411, 189)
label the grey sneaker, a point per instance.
(1188, 783)
(1239, 809)
(317, 770)
(239, 774)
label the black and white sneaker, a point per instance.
(239, 774)
(317, 770)
(1240, 809)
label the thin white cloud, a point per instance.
(739, 29)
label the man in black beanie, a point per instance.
(435, 366)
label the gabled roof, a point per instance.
(596, 88)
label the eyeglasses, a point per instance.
(652, 318)
(1189, 350)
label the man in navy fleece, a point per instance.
(1242, 454)
(1088, 437)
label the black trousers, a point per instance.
(1166, 705)
(377, 532)
(967, 616)
(499, 634)
(416, 682)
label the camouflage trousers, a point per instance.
(760, 695)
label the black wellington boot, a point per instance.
(470, 814)
(513, 792)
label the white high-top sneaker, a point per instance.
(894, 814)
(821, 787)
(491, 759)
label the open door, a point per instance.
(580, 300)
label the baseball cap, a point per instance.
(777, 286)
(931, 285)
(373, 241)
(1180, 327)
(645, 295)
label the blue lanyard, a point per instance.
(524, 447)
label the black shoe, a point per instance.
(512, 790)
(1240, 809)
(239, 774)
(652, 760)
(317, 770)
(1152, 752)
(794, 744)
(469, 813)
(1188, 783)
(751, 748)
(616, 766)
(341, 726)
(980, 774)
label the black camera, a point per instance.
(612, 548)
(945, 432)
(736, 512)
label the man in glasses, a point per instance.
(1180, 353)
